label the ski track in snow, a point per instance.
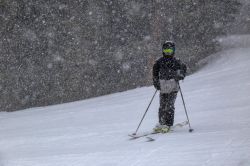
(94, 132)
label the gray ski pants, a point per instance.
(166, 110)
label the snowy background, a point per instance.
(54, 52)
(94, 132)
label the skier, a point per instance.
(167, 71)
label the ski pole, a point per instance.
(190, 129)
(145, 113)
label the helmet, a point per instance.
(168, 48)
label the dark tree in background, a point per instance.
(60, 51)
(241, 25)
(195, 24)
(205, 20)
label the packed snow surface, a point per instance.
(95, 132)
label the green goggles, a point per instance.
(168, 51)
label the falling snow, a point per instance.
(81, 49)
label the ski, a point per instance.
(147, 135)
(142, 135)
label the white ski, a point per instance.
(153, 133)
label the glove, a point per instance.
(157, 85)
(179, 76)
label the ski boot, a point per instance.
(161, 128)
(165, 129)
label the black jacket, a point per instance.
(168, 68)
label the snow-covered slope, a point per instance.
(94, 132)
